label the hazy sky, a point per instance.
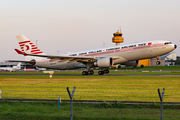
(75, 25)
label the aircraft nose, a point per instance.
(175, 46)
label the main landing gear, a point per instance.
(103, 72)
(91, 72)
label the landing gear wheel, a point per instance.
(158, 63)
(84, 73)
(101, 72)
(91, 72)
(106, 71)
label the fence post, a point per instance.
(0, 93)
(59, 100)
(71, 97)
(161, 99)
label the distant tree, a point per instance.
(134, 66)
(177, 62)
(142, 66)
(119, 66)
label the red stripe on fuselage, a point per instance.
(124, 49)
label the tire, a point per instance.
(91, 72)
(84, 73)
(158, 63)
(106, 71)
(101, 72)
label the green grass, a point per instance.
(121, 88)
(112, 72)
(175, 70)
(117, 111)
(154, 68)
(163, 68)
(116, 88)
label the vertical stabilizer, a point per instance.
(28, 47)
(19, 66)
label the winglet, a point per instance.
(19, 52)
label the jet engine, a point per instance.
(131, 63)
(104, 62)
(32, 62)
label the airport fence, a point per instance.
(28, 102)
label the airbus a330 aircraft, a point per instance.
(11, 69)
(103, 58)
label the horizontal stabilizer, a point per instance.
(25, 61)
(19, 52)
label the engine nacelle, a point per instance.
(131, 63)
(32, 62)
(104, 62)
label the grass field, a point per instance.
(115, 88)
(153, 70)
(105, 111)
(121, 88)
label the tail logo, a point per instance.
(26, 48)
(29, 47)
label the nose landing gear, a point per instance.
(158, 61)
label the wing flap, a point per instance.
(66, 59)
(73, 60)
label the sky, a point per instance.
(77, 25)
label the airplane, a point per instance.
(103, 58)
(40, 69)
(11, 69)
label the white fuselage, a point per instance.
(122, 53)
(10, 69)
